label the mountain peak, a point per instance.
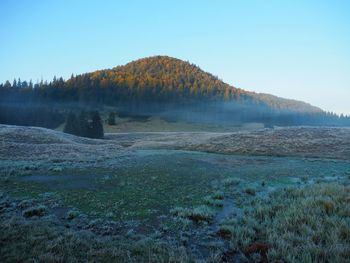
(157, 66)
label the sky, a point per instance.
(298, 49)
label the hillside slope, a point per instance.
(170, 78)
(163, 87)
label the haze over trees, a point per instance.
(34, 115)
(169, 88)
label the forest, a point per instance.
(157, 86)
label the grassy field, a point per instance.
(159, 124)
(139, 197)
(210, 206)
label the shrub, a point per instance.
(231, 181)
(250, 191)
(72, 214)
(35, 211)
(225, 231)
(111, 118)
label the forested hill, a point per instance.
(163, 86)
(169, 79)
(157, 79)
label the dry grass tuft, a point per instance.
(198, 214)
(308, 224)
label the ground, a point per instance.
(222, 196)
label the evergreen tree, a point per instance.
(83, 126)
(83, 123)
(24, 84)
(72, 126)
(96, 127)
(7, 85)
(111, 118)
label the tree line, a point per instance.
(30, 115)
(163, 84)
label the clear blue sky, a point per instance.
(296, 49)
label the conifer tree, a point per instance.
(96, 127)
(111, 118)
(83, 122)
(71, 124)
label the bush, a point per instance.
(35, 211)
(226, 231)
(250, 191)
(72, 214)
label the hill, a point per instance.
(158, 86)
(168, 78)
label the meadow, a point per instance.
(171, 205)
